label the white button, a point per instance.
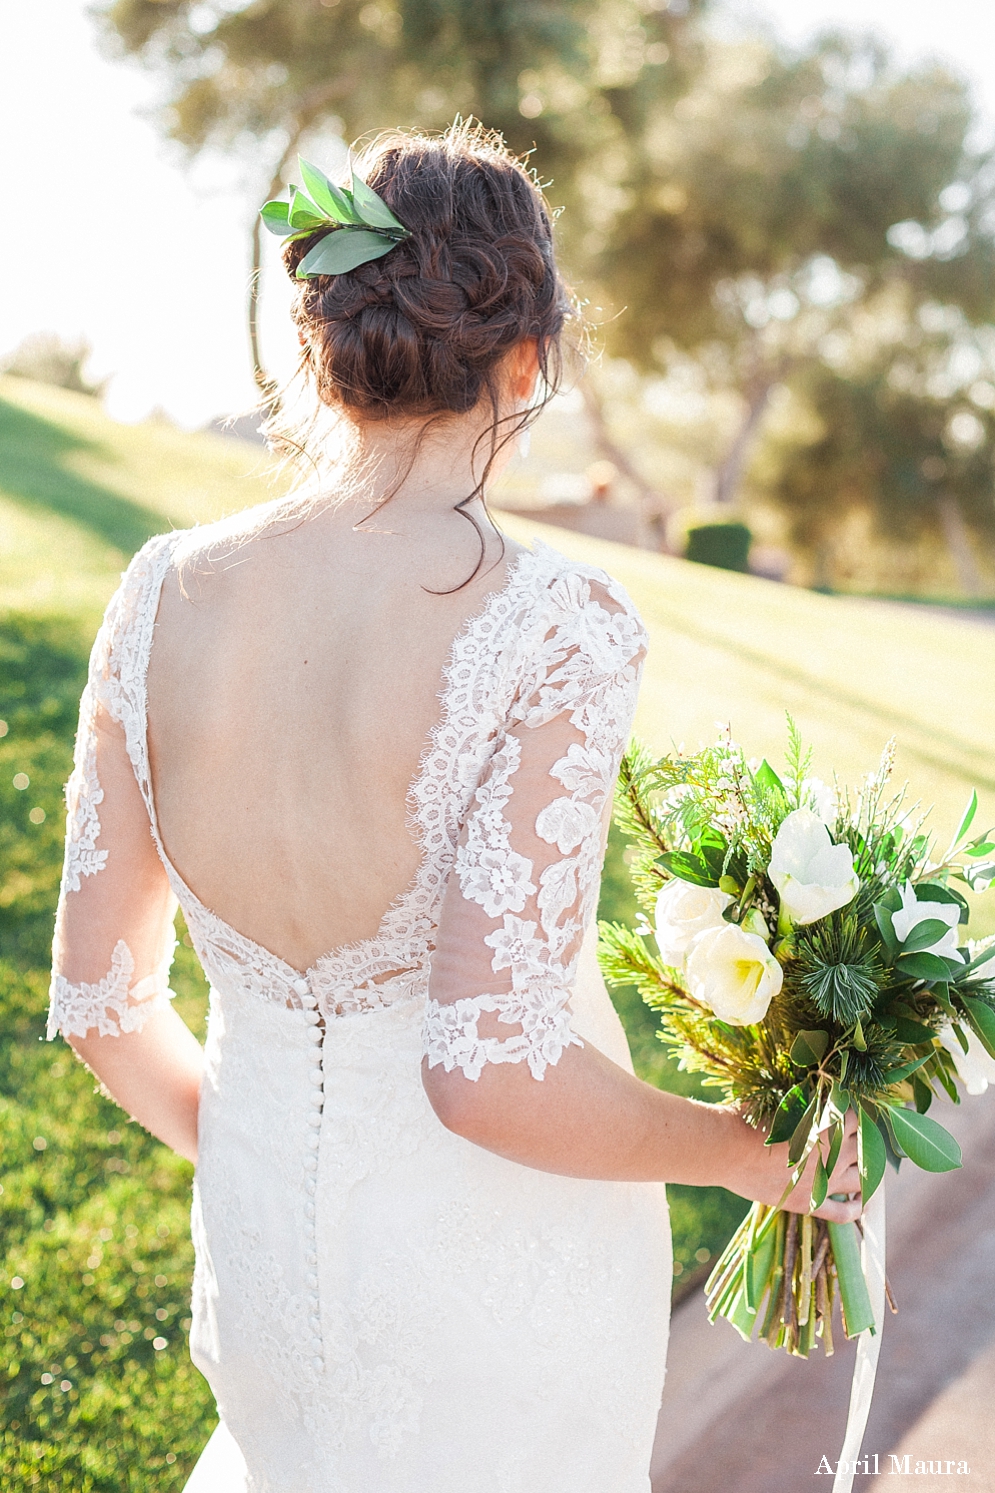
(317, 1100)
(316, 1079)
(312, 1281)
(316, 1343)
(313, 1034)
(318, 1363)
(311, 1163)
(315, 1055)
(300, 985)
(311, 1258)
(315, 1120)
(308, 1210)
(313, 1141)
(315, 1322)
(311, 1016)
(309, 1186)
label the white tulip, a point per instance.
(683, 912)
(913, 911)
(734, 973)
(976, 1066)
(812, 875)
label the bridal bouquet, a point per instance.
(808, 961)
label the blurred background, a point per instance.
(779, 217)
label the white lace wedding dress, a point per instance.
(379, 1305)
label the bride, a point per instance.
(368, 744)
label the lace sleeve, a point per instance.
(114, 936)
(525, 881)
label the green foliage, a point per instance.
(359, 225)
(93, 1212)
(838, 969)
(724, 545)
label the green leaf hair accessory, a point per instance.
(361, 227)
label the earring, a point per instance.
(525, 441)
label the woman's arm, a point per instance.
(503, 1067)
(154, 1074)
(589, 1118)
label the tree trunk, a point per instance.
(265, 382)
(730, 472)
(654, 504)
(958, 538)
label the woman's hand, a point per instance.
(765, 1174)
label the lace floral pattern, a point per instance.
(584, 669)
(83, 797)
(111, 1006)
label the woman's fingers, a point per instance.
(836, 1212)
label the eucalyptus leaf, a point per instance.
(923, 1092)
(688, 867)
(912, 1032)
(332, 200)
(303, 214)
(809, 1048)
(984, 848)
(341, 250)
(928, 932)
(820, 1184)
(982, 1019)
(882, 916)
(800, 1135)
(899, 1075)
(925, 1143)
(275, 216)
(789, 1112)
(967, 820)
(871, 1156)
(924, 967)
(893, 1151)
(835, 1146)
(372, 209)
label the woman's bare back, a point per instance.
(293, 685)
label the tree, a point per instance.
(787, 200)
(546, 74)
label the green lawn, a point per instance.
(93, 1214)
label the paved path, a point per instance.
(737, 1418)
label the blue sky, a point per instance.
(155, 276)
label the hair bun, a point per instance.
(423, 329)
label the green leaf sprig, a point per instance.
(361, 227)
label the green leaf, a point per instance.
(835, 1146)
(303, 214)
(984, 847)
(800, 1135)
(923, 1092)
(372, 209)
(820, 1184)
(882, 916)
(766, 777)
(925, 1143)
(758, 1265)
(978, 961)
(925, 967)
(912, 1032)
(898, 1075)
(858, 1314)
(924, 934)
(967, 819)
(789, 1112)
(688, 867)
(342, 250)
(809, 1048)
(893, 1151)
(275, 216)
(982, 1019)
(871, 1156)
(332, 200)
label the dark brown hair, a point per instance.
(424, 330)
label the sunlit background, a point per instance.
(111, 234)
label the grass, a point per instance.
(93, 1213)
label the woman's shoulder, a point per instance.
(569, 591)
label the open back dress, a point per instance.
(379, 1305)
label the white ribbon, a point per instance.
(868, 1344)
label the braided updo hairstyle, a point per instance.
(423, 330)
